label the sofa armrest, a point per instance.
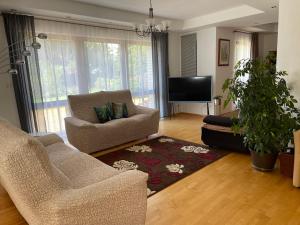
(219, 120)
(145, 110)
(121, 199)
(80, 133)
(77, 122)
(232, 114)
(49, 139)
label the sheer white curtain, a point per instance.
(78, 59)
(242, 48)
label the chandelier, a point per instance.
(145, 30)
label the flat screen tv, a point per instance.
(190, 89)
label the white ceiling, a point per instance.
(185, 9)
(184, 15)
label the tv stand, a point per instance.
(173, 105)
(173, 109)
(207, 108)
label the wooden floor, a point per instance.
(227, 192)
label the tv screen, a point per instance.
(190, 89)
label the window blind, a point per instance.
(189, 55)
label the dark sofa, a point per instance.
(217, 133)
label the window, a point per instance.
(242, 49)
(104, 66)
(88, 60)
(59, 78)
(140, 74)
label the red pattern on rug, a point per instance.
(165, 159)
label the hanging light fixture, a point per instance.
(145, 30)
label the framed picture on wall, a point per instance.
(224, 52)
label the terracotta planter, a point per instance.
(263, 162)
(286, 164)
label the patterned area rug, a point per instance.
(165, 159)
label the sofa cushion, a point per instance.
(122, 130)
(49, 139)
(119, 110)
(132, 121)
(82, 106)
(80, 168)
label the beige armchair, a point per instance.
(53, 184)
(296, 176)
(88, 135)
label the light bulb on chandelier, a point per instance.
(145, 30)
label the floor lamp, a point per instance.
(20, 61)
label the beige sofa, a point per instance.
(53, 184)
(88, 135)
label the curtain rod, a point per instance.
(241, 31)
(83, 24)
(69, 22)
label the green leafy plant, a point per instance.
(268, 115)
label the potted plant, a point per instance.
(268, 115)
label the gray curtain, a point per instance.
(20, 34)
(160, 61)
(254, 46)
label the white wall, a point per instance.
(267, 42)
(206, 51)
(288, 52)
(207, 60)
(224, 72)
(8, 107)
(206, 65)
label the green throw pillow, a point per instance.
(104, 113)
(125, 110)
(119, 110)
(110, 110)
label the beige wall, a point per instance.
(224, 72)
(289, 43)
(8, 107)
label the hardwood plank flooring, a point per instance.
(226, 192)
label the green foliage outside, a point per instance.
(104, 69)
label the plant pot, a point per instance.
(286, 164)
(263, 162)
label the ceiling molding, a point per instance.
(240, 16)
(76, 10)
(221, 16)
